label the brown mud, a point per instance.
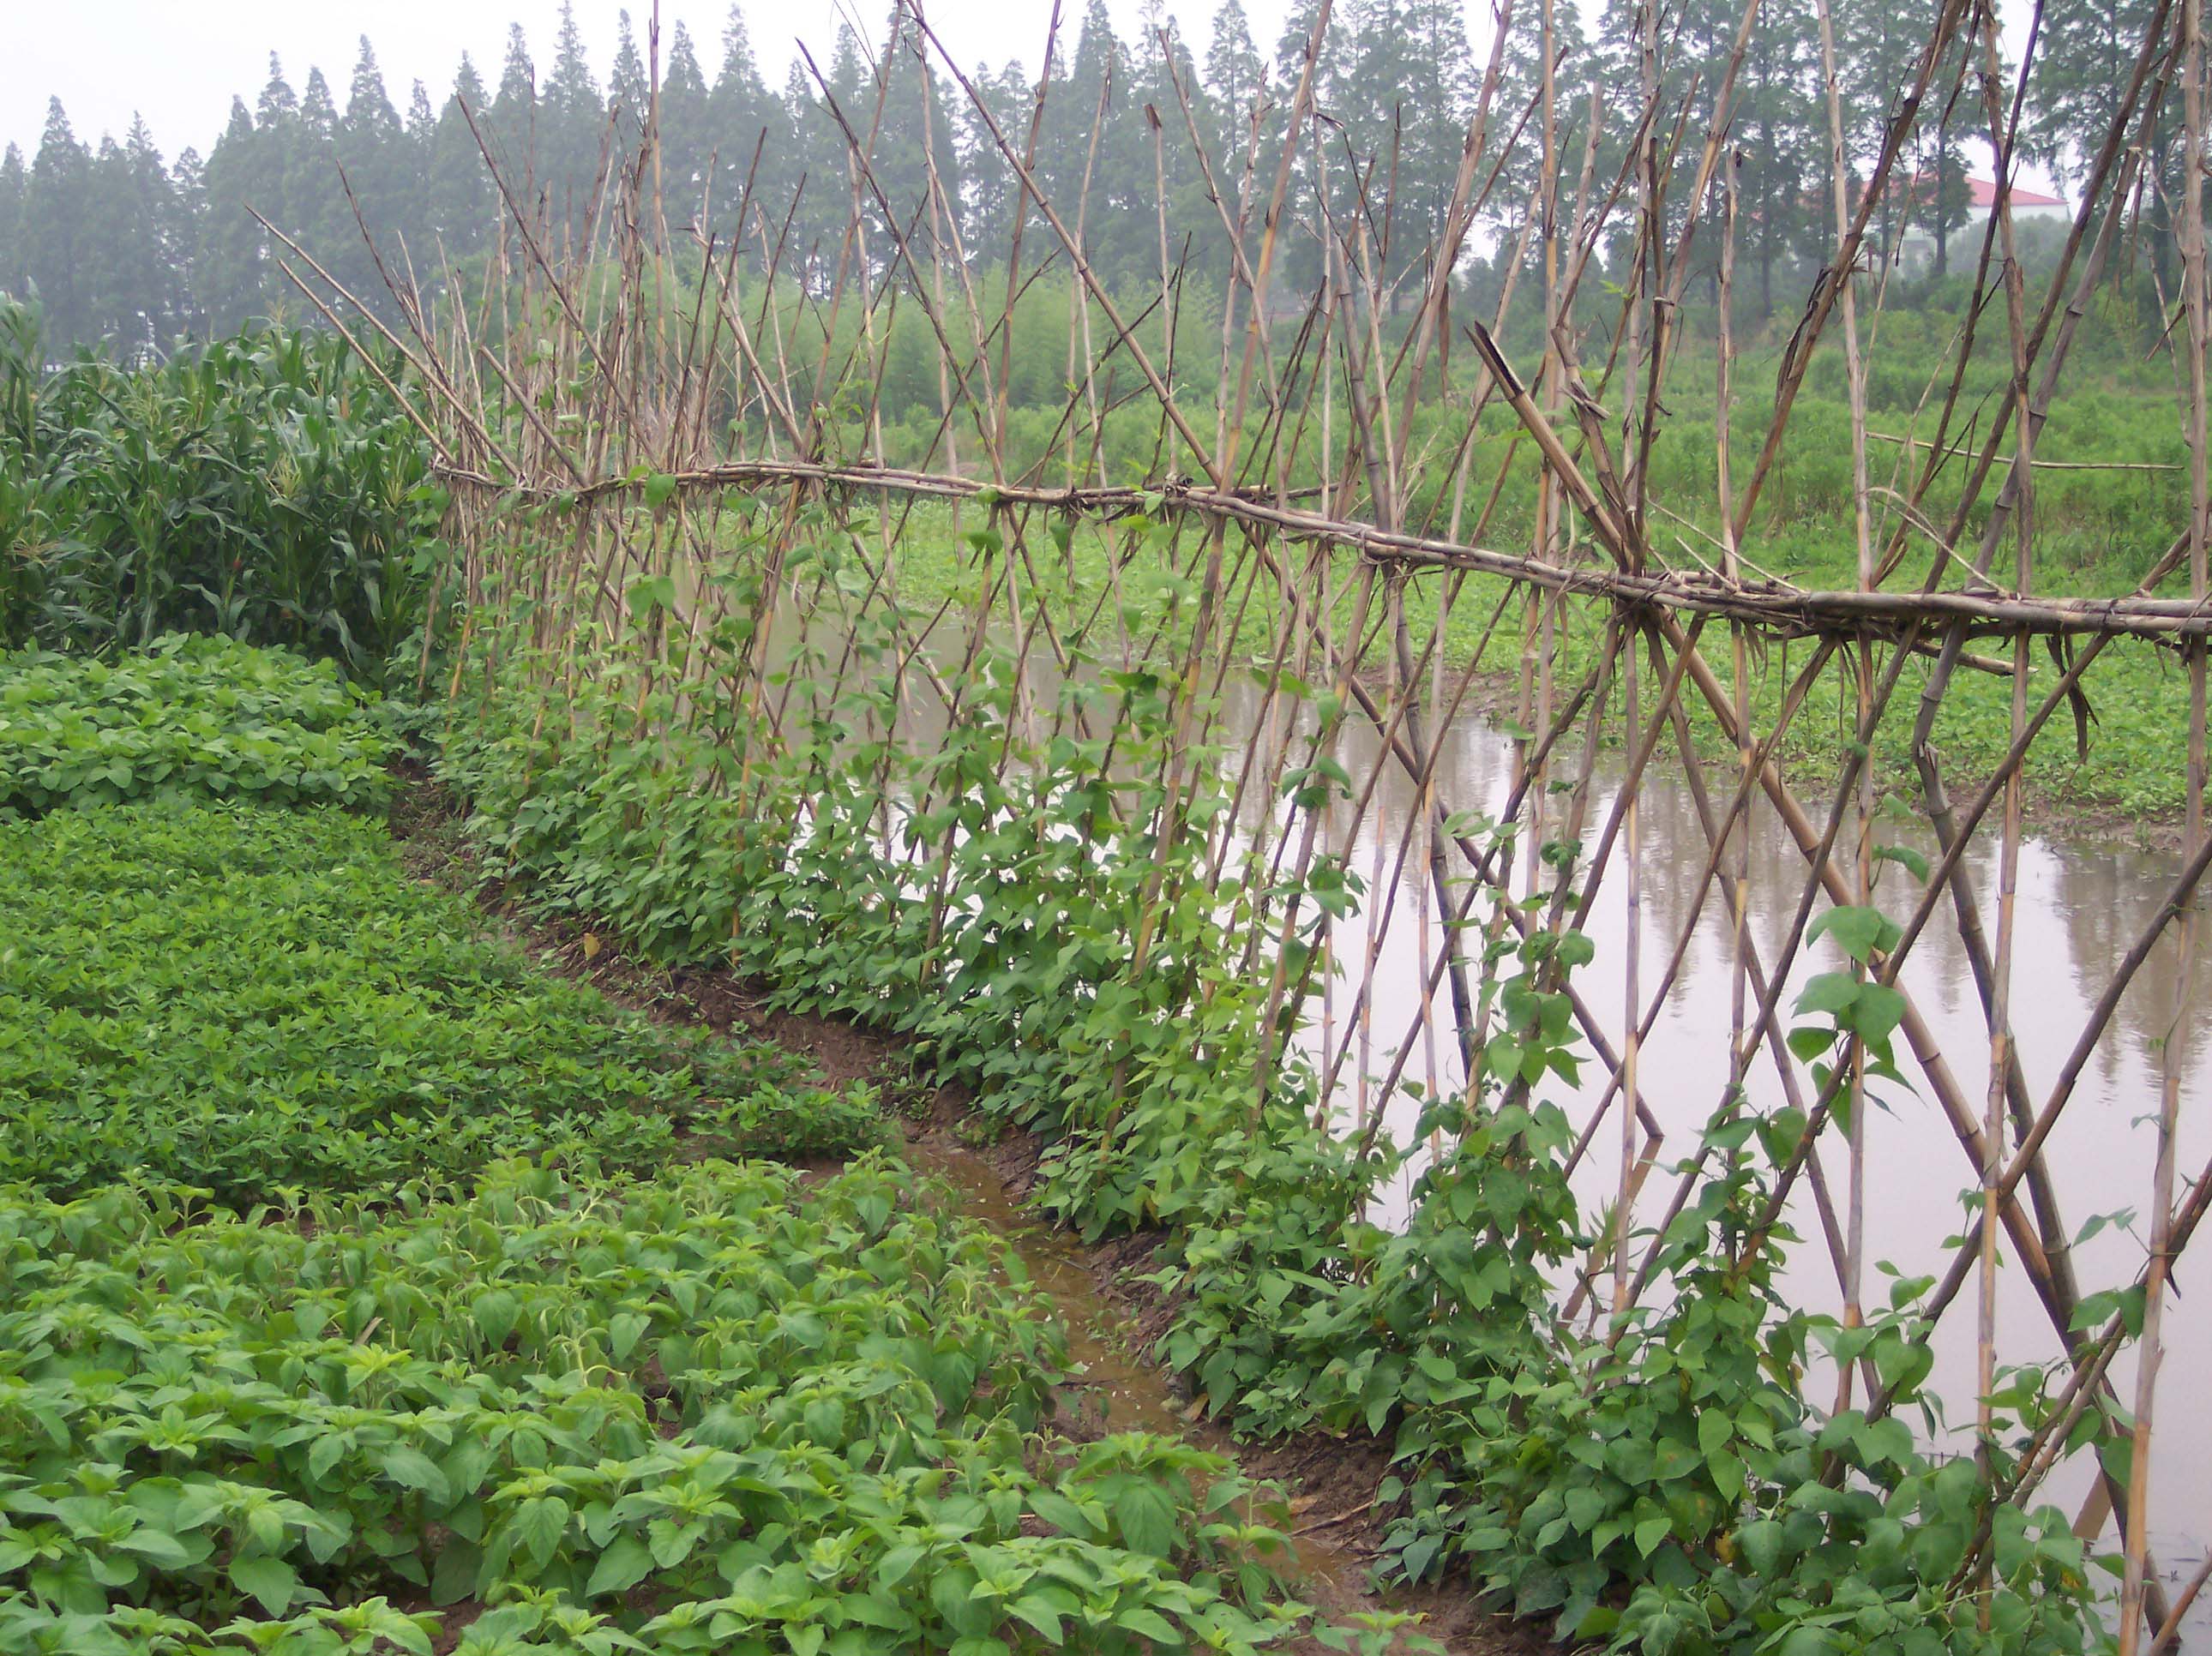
(1112, 1317)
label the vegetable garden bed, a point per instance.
(363, 1289)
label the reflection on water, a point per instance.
(2080, 908)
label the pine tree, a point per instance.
(1236, 80)
(318, 110)
(1098, 77)
(1094, 153)
(270, 174)
(1440, 80)
(188, 190)
(1299, 261)
(738, 118)
(278, 102)
(369, 116)
(418, 144)
(463, 198)
(570, 116)
(1517, 123)
(805, 147)
(232, 257)
(151, 259)
(684, 128)
(2083, 67)
(421, 121)
(373, 150)
(1780, 125)
(824, 201)
(993, 191)
(1291, 45)
(108, 299)
(1393, 95)
(512, 130)
(14, 195)
(629, 90)
(1877, 48)
(910, 94)
(317, 216)
(1161, 63)
(1943, 162)
(56, 245)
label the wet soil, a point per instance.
(1112, 1317)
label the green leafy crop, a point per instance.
(481, 1346)
(190, 717)
(709, 1411)
(252, 1000)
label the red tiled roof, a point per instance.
(1983, 194)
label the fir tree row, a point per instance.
(125, 248)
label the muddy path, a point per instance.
(1111, 1316)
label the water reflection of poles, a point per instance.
(2172, 1051)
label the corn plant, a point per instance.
(264, 487)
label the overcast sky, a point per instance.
(178, 65)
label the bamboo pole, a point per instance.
(2173, 1050)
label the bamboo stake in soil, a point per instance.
(2150, 1352)
(1335, 445)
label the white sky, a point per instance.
(179, 63)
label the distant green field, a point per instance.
(2095, 532)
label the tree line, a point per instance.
(1138, 137)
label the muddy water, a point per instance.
(2080, 908)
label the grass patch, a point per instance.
(2134, 767)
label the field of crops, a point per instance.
(364, 1289)
(263, 487)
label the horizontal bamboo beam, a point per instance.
(1776, 607)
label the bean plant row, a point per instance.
(1667, 1483)
(364, 1290)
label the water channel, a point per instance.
(2082, 903)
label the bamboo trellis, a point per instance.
(1326, 467)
